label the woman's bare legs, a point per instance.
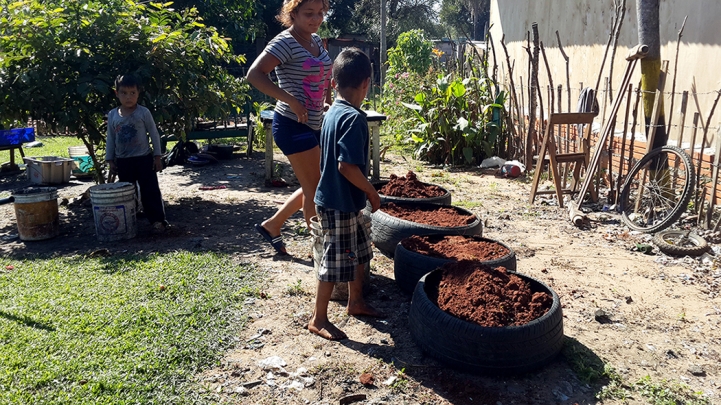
(306, 166)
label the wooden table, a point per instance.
(375, 120)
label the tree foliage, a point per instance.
(466, 18)
(402, 15)
(59, 59)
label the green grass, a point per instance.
(469, 204)
(52, 146)
(118, 330)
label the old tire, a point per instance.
(409, 266)
(469, 347)
(444, 199)
(388, 230)
(676, 243)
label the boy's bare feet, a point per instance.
(326, 330)
(364, 309)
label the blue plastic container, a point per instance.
(17, 136)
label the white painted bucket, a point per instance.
(114, 209)
(340, 290)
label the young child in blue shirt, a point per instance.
(128, 151)
(342, 193)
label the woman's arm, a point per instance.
(258, 77)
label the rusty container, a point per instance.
(36, 212)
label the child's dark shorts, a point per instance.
(293, 137)
(346, 244)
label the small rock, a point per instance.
(367, 379)
(629, 300)
(601, 316)
(390, 380)
(327, 354)
(697, 371)
(241, 390)
(272, 363)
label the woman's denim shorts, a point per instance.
(292, 136)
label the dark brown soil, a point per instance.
(455, 247)
(436, 216)
(410, 187)
(489, 297)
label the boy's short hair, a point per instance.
(129, 80)
(350, 68)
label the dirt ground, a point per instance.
(661, 315)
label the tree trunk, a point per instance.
(648, 34)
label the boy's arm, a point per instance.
(110, 145)
(154, 139)
(354, 175)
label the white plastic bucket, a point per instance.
(36, 212)
(82, 161)
(114, 210)
(340, 290)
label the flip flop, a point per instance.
(276, 242)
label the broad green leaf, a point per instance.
(468, 154)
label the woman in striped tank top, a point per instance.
(303, 68)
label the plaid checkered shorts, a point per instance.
(346, 244)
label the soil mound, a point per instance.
(410, 187)
(455, 247)
(436, 216)
(489, 297)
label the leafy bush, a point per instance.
(408, 70)
(411, 54)
(59, 60)
(457, 119)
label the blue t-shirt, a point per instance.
(343, 138)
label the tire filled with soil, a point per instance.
(417, 255)
(409, 189)
(478, 319)
(396, 221)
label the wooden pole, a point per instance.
(620, 14)
(714, 182)
(675, 70)
(623, 143)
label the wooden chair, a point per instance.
(581, 158)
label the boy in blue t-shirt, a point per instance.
(342, 193)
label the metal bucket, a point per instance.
(114, 210)
(36, 212)
(340, 290)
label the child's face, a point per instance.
(309, 16)
(128, 96)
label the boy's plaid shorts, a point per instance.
(346, 244)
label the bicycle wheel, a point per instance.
(657, 189)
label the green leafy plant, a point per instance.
(258, 128)
(669, 392)
(457, 119)
(295, 289)
(81, 46)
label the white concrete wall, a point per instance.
(584, 28)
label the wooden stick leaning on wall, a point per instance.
(705, 131)
(514, 96)
(679, 141)
(675, 70)
(636, 53)
(696, 119)
(620, 10)
(568, 78)
(532, 87)
(623, 144)
(631, 158)
(714, 182)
